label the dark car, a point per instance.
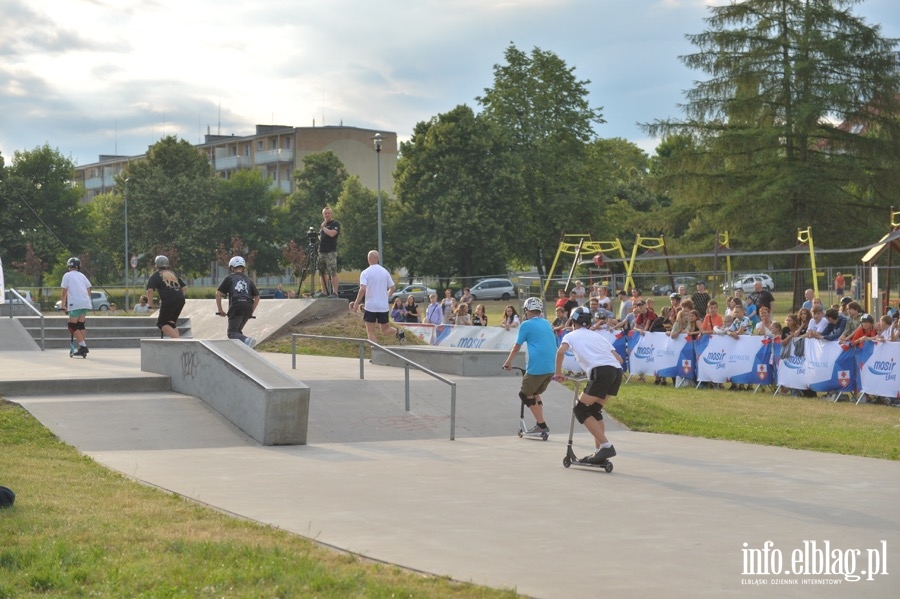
(267, 292)
(348, 291)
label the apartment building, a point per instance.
(276, 151)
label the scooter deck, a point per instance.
(571, 460)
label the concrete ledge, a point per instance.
(450, 360)
(257, 397)
(84, 385)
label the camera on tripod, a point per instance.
(312, 235)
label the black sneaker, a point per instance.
(82, 351)
(401, 336)
(602, 454)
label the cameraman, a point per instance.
(328, 234)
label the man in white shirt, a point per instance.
(376, 285)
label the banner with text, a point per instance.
(657, 354)
(820, 366)
(877, 364)
(746, 360)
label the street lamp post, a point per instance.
(127, 259)
(378, 139)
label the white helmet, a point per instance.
(534, 304)
(236, 262)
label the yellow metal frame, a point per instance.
(645, 243)
(585, 245)
(806, 236)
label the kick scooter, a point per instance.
(523, 428)
(571, 459)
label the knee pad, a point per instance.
(526, 400)
(80, 326)
(596, 411)
(73, 326)
(582, 411)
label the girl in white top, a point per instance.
(510, 318)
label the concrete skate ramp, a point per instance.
(273, 317)
(256, 396)
(14, 337)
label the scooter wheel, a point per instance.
(567, 462)
(520, 434)
(608, 467)
(545, 436)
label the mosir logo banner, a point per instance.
(878, 369)
(745, 360)
(655, 353)
(822, 366)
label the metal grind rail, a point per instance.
(407, 363)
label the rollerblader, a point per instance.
(604, 368)
(538, 334)
(243, 298)
(76, 301)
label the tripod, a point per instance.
(309, 267)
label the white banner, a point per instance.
(650, 353)
(424, 332)
(821, 366)
(745, 360)
(878, 369)
(446, 335)
(2, 288)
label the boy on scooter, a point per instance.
(603, 365)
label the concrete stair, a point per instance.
(103, 332)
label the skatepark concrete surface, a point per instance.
(676, 518)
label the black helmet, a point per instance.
(582, 316)
(846, 300)
(161, 262)
(73, 262)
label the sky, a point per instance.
(92, 77)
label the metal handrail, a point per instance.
(25, 302)
(406, 364)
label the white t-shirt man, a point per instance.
(591, 349)
(78, 291)
(377, 280)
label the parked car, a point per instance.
(491, 289)
(98, 299)
(746, 283)
(11, 298)
(348, 291)
(420, 292)
(665, 289)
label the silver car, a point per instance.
(420, 292)
(491, 289)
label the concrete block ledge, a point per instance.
(450, 360)
(257, 397)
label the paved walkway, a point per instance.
(672, 520)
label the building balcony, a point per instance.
(270, 156)
(227, 163)
(99, 182)
(284, 186)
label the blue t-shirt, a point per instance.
(538, 334)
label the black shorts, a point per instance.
(379, 317)
(169, 312)
(605, 381)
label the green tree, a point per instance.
(357, 211)
(458, 186)
(777, 127)
(543, 107)
(246, 207)
(172, 205)
(39, 207)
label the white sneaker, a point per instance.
(249, 341)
